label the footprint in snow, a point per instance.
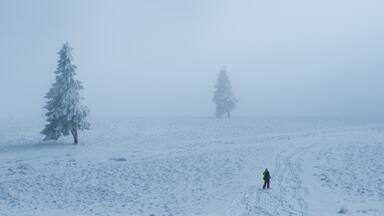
(119, 159)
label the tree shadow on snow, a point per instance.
(33, 145)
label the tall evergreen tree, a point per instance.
(65, 114)
(224, 99)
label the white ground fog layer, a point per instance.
(192, 166)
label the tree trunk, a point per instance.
(75, 137)
(228, 114)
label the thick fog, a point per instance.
(162, 57)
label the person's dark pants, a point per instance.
(266, 184)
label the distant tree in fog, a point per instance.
(65, 114)
(224, 99)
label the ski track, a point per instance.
(285, 196)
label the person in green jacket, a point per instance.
(266, 178)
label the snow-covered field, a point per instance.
(194, 166)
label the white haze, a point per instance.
(161, 58)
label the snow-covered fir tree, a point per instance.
(65, 114)
(224, 99)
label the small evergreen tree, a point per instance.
(65, 114)
(224, 99)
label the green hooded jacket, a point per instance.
(266, 175)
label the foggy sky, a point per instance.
(162, 57)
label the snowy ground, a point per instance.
(194, 166)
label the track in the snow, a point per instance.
(286, 196)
